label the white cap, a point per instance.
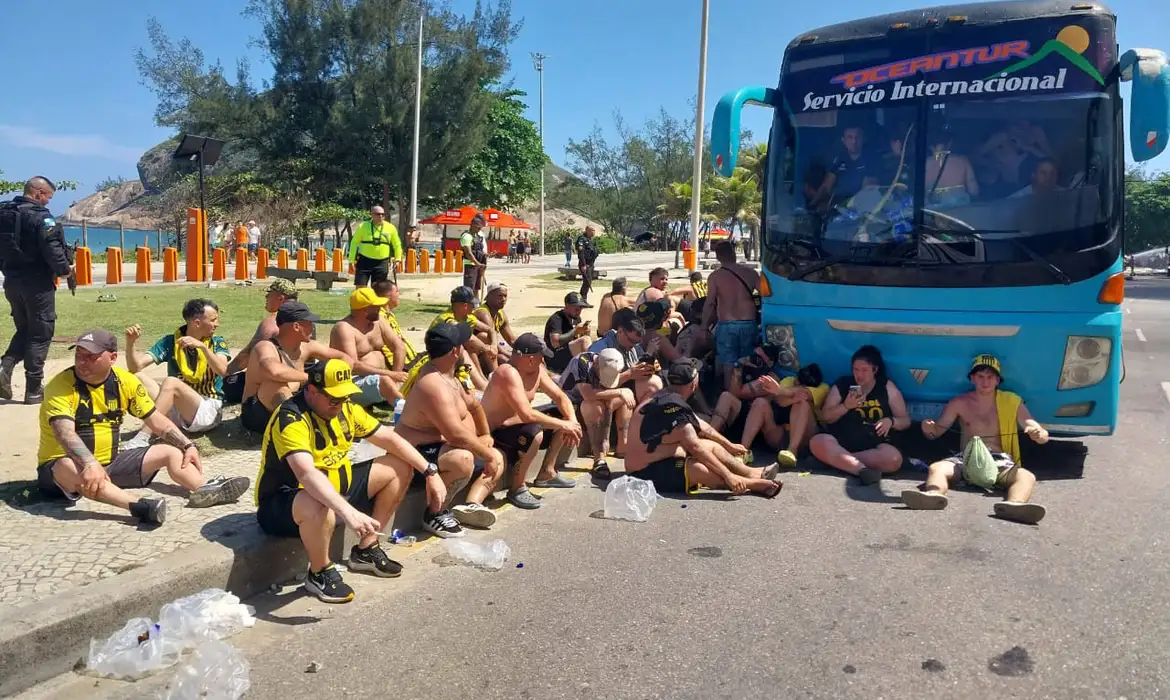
(493, 287)
(609, 367)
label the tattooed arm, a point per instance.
(169, 434)
(93, 475)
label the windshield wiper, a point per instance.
(1036, 257)
(829, 262)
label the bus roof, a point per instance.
(976, 13)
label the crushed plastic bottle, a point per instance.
(490, 556)
(399, 537)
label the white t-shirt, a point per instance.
(254, 235)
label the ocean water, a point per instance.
(101, 238)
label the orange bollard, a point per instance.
(352, 270)
(219, 264)
(83, 263)
(438, 262)
(303, 259)
(196, 245)
(113, 266)
(411, 261)
(319, 260)
(424, 261)
(459, 260)
(241, 264)
(282, 259)
(448, 261)
(170, 264)
(690, 259)
(142, 271)
(338, 260)
(262, 264)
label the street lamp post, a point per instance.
(538, 61)
(697, 178)
(417, 120)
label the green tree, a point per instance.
(7, 186)
(736, 201)
(1147, 207)
(506, 171)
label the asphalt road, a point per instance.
(832, 590)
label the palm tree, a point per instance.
(676, 209)
(738, 200)
(754, 161)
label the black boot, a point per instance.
(6, 366)
(34, 393)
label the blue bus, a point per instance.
(948, 182)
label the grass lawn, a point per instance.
(158, 309)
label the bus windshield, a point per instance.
(937, 184)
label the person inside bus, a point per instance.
(1045, 179)
(950, 177)
(849, 168)
(995, 417)
(1011, 154)
(859, 414)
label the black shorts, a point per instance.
(254, 416)
(368, 271)
(514, 440)
(275, 512)
(430, 452)
(856, 438)
(125, 472)
(560, 360)
(668, 475)
(233, 388)
(781, 414)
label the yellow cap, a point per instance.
(988, 361)
(364, 297)
(334, 377)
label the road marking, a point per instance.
(1128, 310)
(1141, 336)
(1166, 390)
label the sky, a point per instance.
(93, 118)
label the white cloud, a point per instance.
(68, 144)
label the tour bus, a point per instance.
(948, 182)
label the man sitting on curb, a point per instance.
(197, 358)
(397, 350)
(80, 421)
(280, 291)
(444, 421)
(565, 333)
(360, 335)
(593, 384)
(611, 303)
(992, 415)
(474, 350)
(678, 452)
(276, 369)
(307, 482)
(491, 312)
(517, 429)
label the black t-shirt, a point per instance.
(586, 250)
(664, 412)
(857, 426)
(560, 323)
(851, 172)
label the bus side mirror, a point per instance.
(725, 124)
(1149, 109)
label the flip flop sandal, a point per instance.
(779, 487)
(601, 471)
(557, 482)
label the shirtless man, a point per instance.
(276, 367)
(447, 425)
(657, 289)
(397, 350)
(614, 301)
(950, 177)
(491, 313)
(993, 415)
(361, 336)
(731, 302)
(280, 291)
(517, 428)
(678, 452)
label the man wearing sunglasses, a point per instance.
(307, 482)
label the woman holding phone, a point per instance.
(859, 414)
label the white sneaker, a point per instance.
(137, 442)
(474, 515)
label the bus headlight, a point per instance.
(784, 338)
(1086, 361)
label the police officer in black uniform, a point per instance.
(33, 254)
(586, 260)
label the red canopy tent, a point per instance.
(497, 222)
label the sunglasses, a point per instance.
(336, 402)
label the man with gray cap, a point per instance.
(679, 452)
(80, 450)
(279, 291)
(374, 248)
(474, 245)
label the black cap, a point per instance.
(531, 344)
(574, 299)
(293, 311)
(462, 295)
(479, 219)
(682, 373)
(445, 337)
(97, 341)
(653, 313)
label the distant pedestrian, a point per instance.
(253, 238)
(586, 259)
(33, 254)
(568, 251)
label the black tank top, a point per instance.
(874, 407)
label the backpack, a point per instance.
(12, 216)
(979, 467)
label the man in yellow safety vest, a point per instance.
(374, 248)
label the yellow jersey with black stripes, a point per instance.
(295, 428)
(449, 317)
(96, 412)
(700, 289)
(497, 318)
(408, 349)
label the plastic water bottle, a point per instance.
(918, 465)
(398, 406)
(399, 537)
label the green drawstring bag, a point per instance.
(979, 468)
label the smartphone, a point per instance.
(855, 389)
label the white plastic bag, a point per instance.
(630, 498)
(490, 556)
(135, 651)
(215, 670)
(209, 615)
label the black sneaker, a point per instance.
(150, 510)
(327, 585)
(373, 560)
(6, 369)
(442, 524)
(34, 393)
(218, 491)
(869, 476)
